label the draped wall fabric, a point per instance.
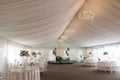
(9, 52)
(112, 49)
(32, 22)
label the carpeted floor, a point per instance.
(76, 72)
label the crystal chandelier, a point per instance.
(86, 14)
(67, 33)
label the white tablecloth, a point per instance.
(28, 74)
(90, 62)
(108, 66)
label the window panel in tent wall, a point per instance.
(113, 52)
(45, 53)
(79, 55)
(17, 52)
(1, 58)
(118, 52)
(98, 53)
(76, 53)
(51, 56)
(11, 54)
(88, 50)
(95, 53)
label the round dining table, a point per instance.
(28, 73)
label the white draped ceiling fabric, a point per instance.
(32, 22)
(104, 29)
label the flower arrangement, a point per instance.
(39, 53)
(90, 53)
(105, 53)
(55, 51)
(67, 51)
(24, 53)
(34, 54)
(99, 59)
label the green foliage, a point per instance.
(61, 60)
(54, 52)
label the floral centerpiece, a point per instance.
(33, 58)
(34, 54)
(105, 53)
(68, 51)
(24, 53)
(90, 53)
(39, 53)
(55, 51)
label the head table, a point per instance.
(28, 73)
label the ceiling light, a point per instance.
(86, 14)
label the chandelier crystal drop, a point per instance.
(67, 33)
(86, 14)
